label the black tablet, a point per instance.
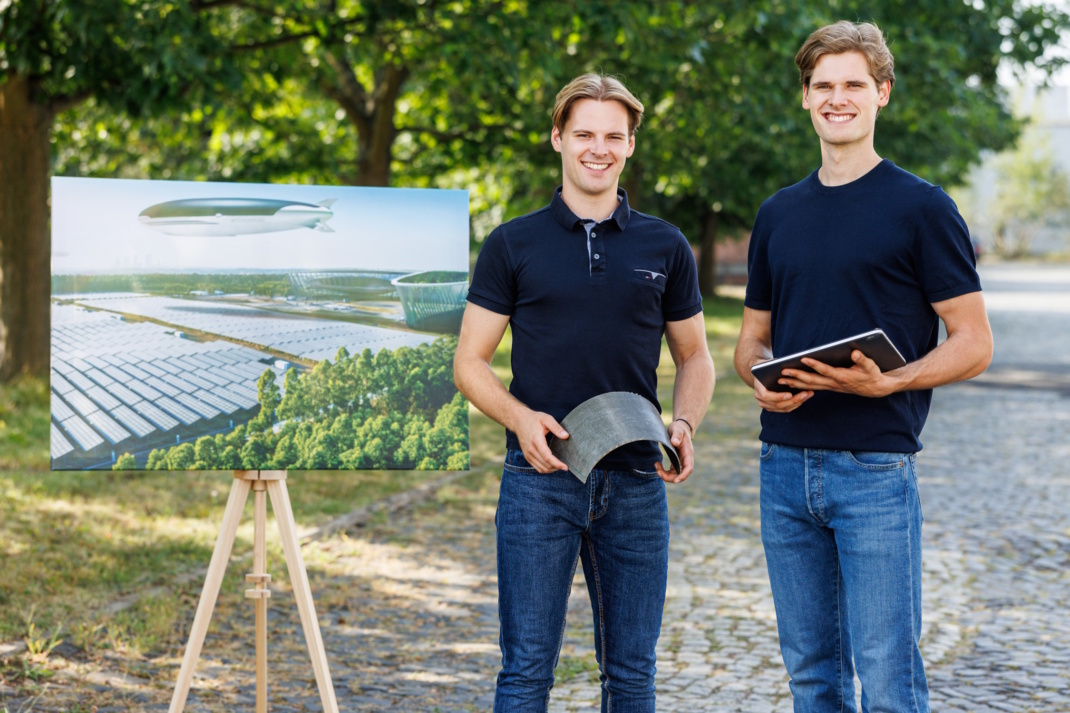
(874, 344)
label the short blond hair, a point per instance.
(601, 88)
(842, 37)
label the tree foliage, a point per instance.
(458, 94)
(1032, 193)
(394, 409)
(416, 92)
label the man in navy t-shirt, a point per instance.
(589, 287)
(859, 244)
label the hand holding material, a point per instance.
(606, 422)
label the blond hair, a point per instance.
(845, 36)
(601, 88)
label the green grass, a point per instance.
(72, 543)
(24, 425)
(568, 667)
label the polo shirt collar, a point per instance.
(564, 215)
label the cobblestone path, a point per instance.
(409, 609)
(995, 486)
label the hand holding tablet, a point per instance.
(874, 344)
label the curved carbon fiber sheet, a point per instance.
(605, 422)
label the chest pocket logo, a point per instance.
(657, 278)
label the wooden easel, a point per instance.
(274, 483)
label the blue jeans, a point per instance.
(842, 536)
(618, 525)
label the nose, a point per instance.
(838, 96)
(599, 146)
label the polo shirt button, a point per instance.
(596, 256)
(594, 234)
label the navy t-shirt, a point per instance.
(587, 308)
(829, 262)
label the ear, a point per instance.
(555, 139)
(631, 146)
(884, 93)
(806, 99)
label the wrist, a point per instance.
(690, 428)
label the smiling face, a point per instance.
(843, 99)
(594, 145)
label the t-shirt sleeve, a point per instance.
(759, 281)
(946, 263)
(682, 299)
(494, 279)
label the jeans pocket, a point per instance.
(515, 462)
(767, 450)
(876, 460)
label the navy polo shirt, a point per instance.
(587, 308)
(831, 261)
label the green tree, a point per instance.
(181, 457)
(237, 437)
(448, 437)
(412, 450)
(157, 460)
(125, 462)
(230, 459)
(267, 392)
(324, 452)
(291, 403)
(255, 453)
(286, 454)
(205, 454)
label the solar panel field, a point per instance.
(124, 386)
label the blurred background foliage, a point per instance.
(457, 94)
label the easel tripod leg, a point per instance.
(260, 592)
(239, 492)
(280, 503)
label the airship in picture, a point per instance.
(236, 216)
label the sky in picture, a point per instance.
(95, 229)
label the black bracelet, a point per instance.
(689, 426)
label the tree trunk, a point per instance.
(25, 245)
(707, 257)
(377, 145)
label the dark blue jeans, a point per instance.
(618, 525)
(842, 536)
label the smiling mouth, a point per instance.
(838, 118)
(595, 166)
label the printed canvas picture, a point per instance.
(220, 326)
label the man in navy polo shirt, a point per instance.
(858, 244)
(589, 287)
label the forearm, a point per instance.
(693, 388)
(750, 351)
(963, 355)
(481, 386)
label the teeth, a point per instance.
(596, 166)
(838, 118)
